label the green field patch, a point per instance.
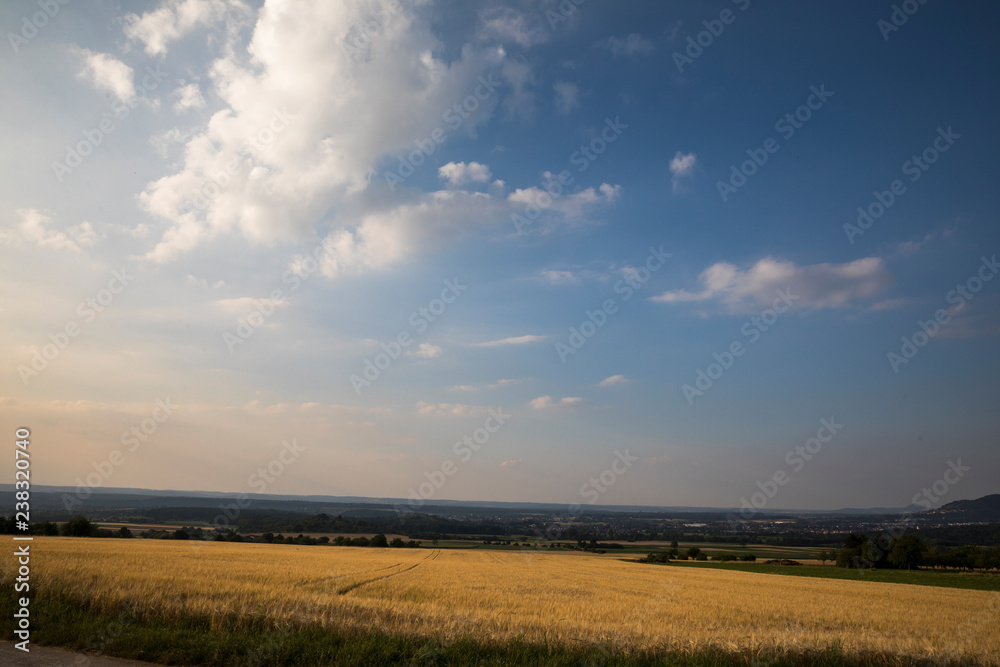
(980, 581)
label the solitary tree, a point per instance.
(379, 541)
(908, 551)
(851, 550)
(78, 526)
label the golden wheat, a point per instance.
(568, 598)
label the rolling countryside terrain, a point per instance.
(600, 604)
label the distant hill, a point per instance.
(858, 511)
(46, 497)
(986, 509)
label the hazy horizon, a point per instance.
(195, 493)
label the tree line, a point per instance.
(909, 551)
(80, 526)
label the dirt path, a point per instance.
(44, 656)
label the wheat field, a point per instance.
(573, 599)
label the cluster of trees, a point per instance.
(81, 526)
(909, 551)
(78, 526)
(179, 534)
(378, 541)
(957, 536)
(594, 544)
(694, 553)
(581, 545)
(9, 527)
(746, 558)
(410, 524)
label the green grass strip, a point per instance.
(979, 581)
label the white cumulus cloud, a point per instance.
(174, 19)
(188, 97)
(305, 123)
(106, 72)
(814, 286)
(682, 166)
(460, 173)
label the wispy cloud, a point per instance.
(682, 166)
(33, 228)
(544, 402)
(511, 26)
(449, 409)
(242, 305)
(814, 286)
(632, 45)
(567, 97)
(471, 387)
(891, 304)
(612, 380)
(907, 249)
(425, 351)
(560, 277)
(516, 340)
(970, 321)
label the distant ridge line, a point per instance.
(481, 504)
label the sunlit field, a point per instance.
(570, 599)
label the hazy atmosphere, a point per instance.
(491, 251)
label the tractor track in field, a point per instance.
(347, 589)
(319, 581)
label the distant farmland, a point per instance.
(573, 600)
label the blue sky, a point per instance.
(236, 171)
